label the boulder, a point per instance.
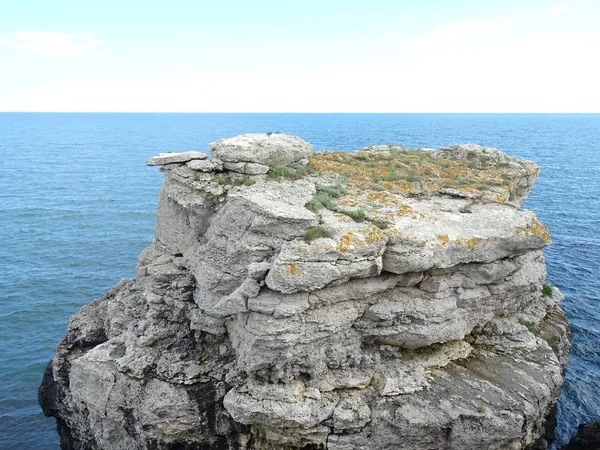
(249, 152)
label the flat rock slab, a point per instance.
(435, 235)
(175, 158)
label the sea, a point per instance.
(77, 206)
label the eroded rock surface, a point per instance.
(381, 299)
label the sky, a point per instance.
(300, 56)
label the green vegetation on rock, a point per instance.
(315, 233)
(357, 215)
(279, 172)
(467, 208)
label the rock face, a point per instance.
(381, 299)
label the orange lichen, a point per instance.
(472, 242)
(535, 228)
(294, 268)
(374, 234)
(345, 242)
(444, 239)
(404, 209)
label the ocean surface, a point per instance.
(77, 206)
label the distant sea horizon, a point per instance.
(302, 112)
(77, 206)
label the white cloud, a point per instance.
(51, 43)
(473, 67)
(452, 33)
(556, 10)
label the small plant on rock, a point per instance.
(278, 172)
(333, 191)
(547, 290)
(313, 205)
(467, 208)
(357, 215)
(322, 198)
(412, 178)
(247, 181)
(381, 224)
(391, 176)
(315, 233)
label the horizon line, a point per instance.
(294, 112)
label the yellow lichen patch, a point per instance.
(472, 242)
(293, 269)
(501, 198)
(404, 209)
(392, 232)
(346, 241)
(535, 228)
(374, 234)
(444, 239)
(381, 198)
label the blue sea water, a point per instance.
(77, 206)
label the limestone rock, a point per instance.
(523, 173)
(435, 236)
(261, 150)
(246, 167)
(175, 158)
(414, 320)
(354, 251)
(203, 165)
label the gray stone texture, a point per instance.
(238, 334)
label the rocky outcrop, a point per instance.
(254, 153)
(386, 298)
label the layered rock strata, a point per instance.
(381, 299)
